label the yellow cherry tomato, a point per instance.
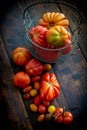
(51, 108)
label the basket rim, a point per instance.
(48, 49)
(55, 2)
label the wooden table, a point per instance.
(71, 73)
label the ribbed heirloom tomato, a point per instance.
(50, 87)
(21, 55)
(37, 35)
(50, 19)
(57, 36)
(34, 67)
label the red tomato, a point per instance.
(58, 114)
(37, 100)
(27, 96)
(68, 117)
(35, 78)
(46, 103)
(42, 108)
(50, 87)
(34, 67)
(21, 79)
(48, 55)
(67, 48)
(59, 119)
(21, 55)
(62, 116)
(37, 35)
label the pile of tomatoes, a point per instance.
(37, 82)
(52, 32)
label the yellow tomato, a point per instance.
(51, 108)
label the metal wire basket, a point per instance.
(33, 12)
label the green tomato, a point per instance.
(57, 36)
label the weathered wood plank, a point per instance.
(83, 39)
(16, 110)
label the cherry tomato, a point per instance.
(48, 117)
(33, 107)
(37, 100)
(46, 103)
(35, 78)
(37, 85)
(33, 92)
(27, 96)
(47, 67)
(51, 108)
(27, 89)
(40, 118)
(58, 115)
(42, 108)
(68, 117)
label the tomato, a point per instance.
(48, 56)
(62, 116)
(50, 19)
(47, 67)
(27, 96)
(33, 107)
(33, 92)
(57, 36)
(46, 103)
(68, 117)
(37, 100)
(68, 47)
(51, 108)
(37, 35)
(34, 67)
(21, 55)
(40, 118)
(37, 85)
(48, 116)
(58, 114)
(50, 87)
(21, 79)
(35, 78)
(42, 108)
(27, 89)
(59, 119)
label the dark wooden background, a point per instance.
(72, 74)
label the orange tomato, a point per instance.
(21, 79)
(57, 36)
(50, 19)
(21, 55)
